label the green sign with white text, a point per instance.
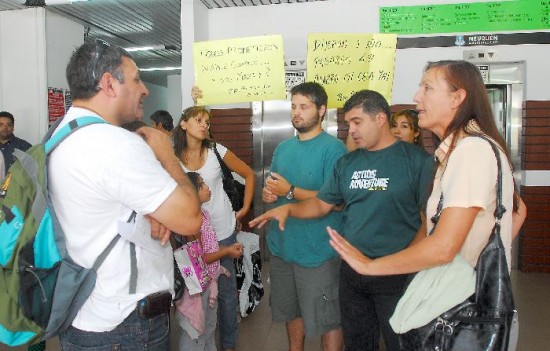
(466, 17)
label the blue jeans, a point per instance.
(134, 333)
(228, 300)
(366, 305)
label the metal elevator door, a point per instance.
(498, 97)
(505, 89)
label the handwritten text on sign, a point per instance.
(347, 63)
(240, 70)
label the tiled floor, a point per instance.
(258, 333)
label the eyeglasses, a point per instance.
(100, 47)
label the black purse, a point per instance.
(482, 322)
(232, 187)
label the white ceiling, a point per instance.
(130, 23)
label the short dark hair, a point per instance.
(133, 126)
(7, 115)
(372, 102)
(314, 91)
(164, 118)
(88, 64)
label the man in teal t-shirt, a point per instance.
(382, 187)
(304, 268)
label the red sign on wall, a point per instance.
(56, 104)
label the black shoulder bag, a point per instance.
(482, 322)
(232, 187)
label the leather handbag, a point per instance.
(483, 321)
(232, 187)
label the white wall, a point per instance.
(157, 100)
(35, 47)
(63, 37)
(410, 62)
(23, 85)
(295, 21)
(201, 26)
(194, 27)
(174, 103)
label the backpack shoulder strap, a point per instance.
(133, 258)
(51, 140)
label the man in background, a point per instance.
(304, 269)
(8, 141)
(163, 121)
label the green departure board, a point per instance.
(466, 17)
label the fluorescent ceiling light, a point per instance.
(48, 2)
(146, 48)
(152, 47)
(62, 2)
(159, 69)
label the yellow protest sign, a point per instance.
(347, 63)
(240, 70)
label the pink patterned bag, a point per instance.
(190, 260)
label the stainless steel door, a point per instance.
(505, 90)
(270, 125)
(498, 97)
(505, 87)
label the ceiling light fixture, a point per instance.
(151, 47)
(159, 69)
(62, 2)
(48, 2)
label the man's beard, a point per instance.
(307, 126)
(6, 137)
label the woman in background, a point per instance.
(404, 125)
(194, 149)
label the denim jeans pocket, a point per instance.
(83, 342)
(329, 306)
(159, 332)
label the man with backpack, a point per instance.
(104, 181)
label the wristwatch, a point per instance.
(290, 194)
